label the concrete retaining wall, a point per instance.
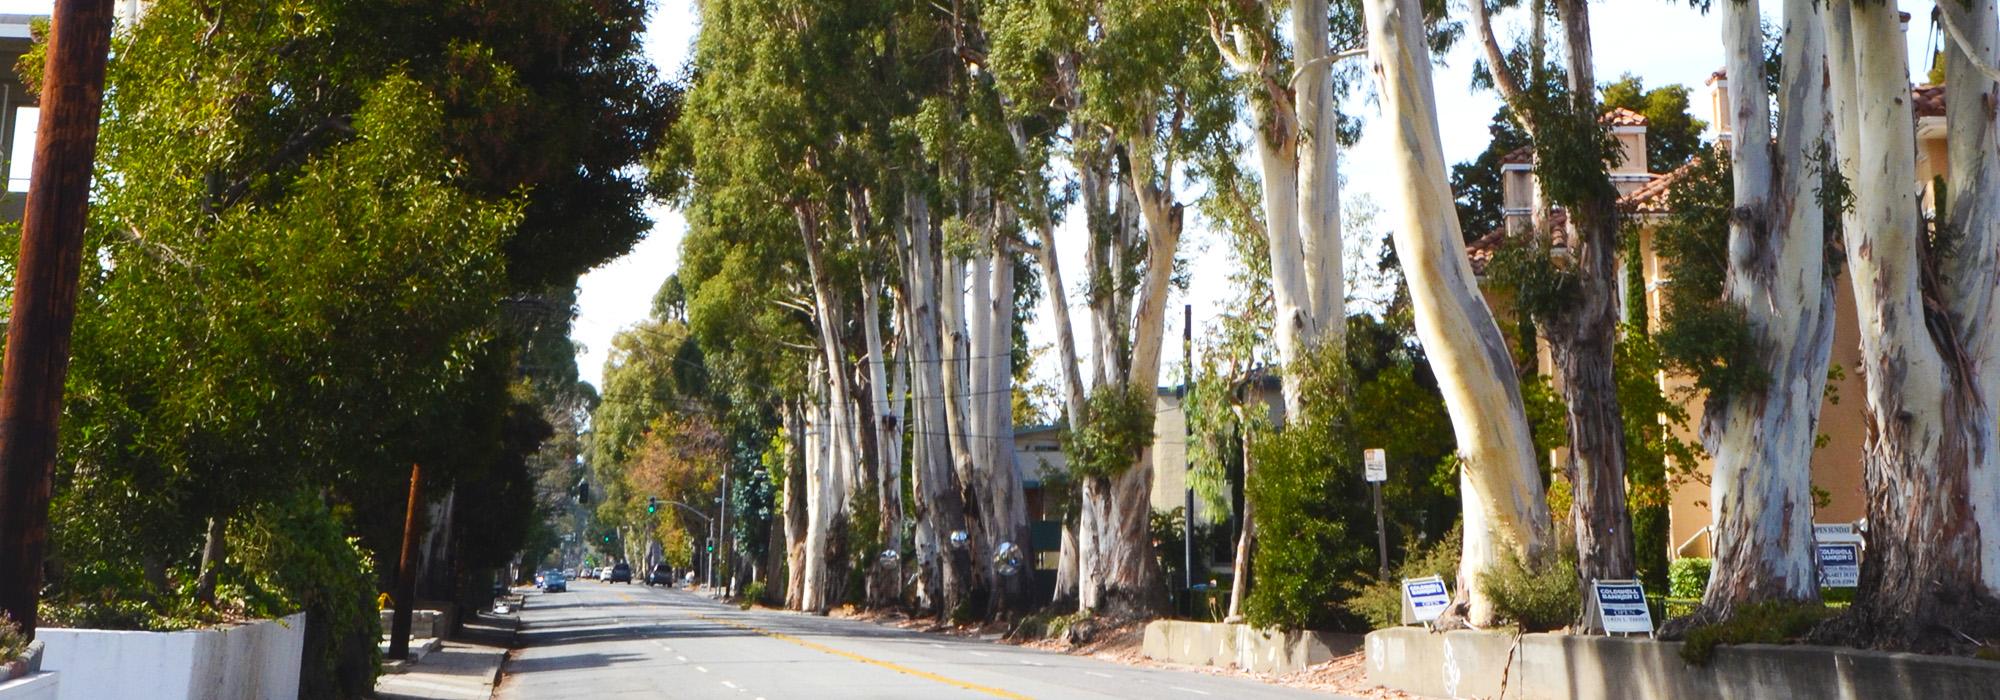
(259, 660)
(1467, 664)
(1242, 646)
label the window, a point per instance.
(21, 158)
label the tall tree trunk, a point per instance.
(214, 549)
(943, 578)
(1318, 180)
(1973, 269)
(802, 442)
(1584, 335)
(832, 481)
(1928, 450)
(1239, 584)
(1762, 440)
(1499, 480)
(885, 576)
(1008, 511)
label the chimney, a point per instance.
(1629, 128)
(1718, 95)
(1517, 190)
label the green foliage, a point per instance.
(1304, 484)
(1536, 596)
(752, 595)
(13, 642)
(1758, 623)
(1119, 429)
(1687, 577)
(1380, 603)
(1673, 134)
(1542, 283)
(1702, 334)
(294, 556)
(1657, 459)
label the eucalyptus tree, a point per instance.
(1777, 288)
(1498, 478)
(1924, 290)
(1143, 95)
(1576, 308)
(1292, 94)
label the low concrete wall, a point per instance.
(258, 660)
(425, 621)
(1242, 646)
(1468, 664)
(34, 686)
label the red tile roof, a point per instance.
(1624, 117)
(1519, 156)
(1482, 249)
(1928, 100)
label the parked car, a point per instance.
(541, 577)
(620, 573)
(555, 582)
(604, 573)
(661, 575)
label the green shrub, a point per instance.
(1380, 603)
(1536, 596)
(1762, 623)
(1687, 577)
(293, 555)
(1120, 427)
(1307, 487)
(752, 594)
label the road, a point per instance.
(617, 641)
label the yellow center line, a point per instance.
(899, 668)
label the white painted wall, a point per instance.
(34, 686)
(259, 660)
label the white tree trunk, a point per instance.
(1930, 437)
(1500, 482)
(1973, 202)
(885, 580)
(1007, 505)
(1762, 441)
(1318, 179)
(826, 563)
(942, 580)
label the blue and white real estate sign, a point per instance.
(1424, 599)
(1839, 564)
(1621, 607)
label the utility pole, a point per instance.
(722, 530)
(45, 286)
(406, 569)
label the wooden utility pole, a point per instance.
(406, 569)
(44, 308)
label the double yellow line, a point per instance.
(899, 668)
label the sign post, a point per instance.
(1424, 599)
(1377, 471)
(1621, 607)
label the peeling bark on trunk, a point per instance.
(832, 481)
(943, 580)
(1583, 337)
(1499, 479)
(1928, 451)
(804, 444)
(1007, 510)
(1973, 270)
(885, 470)
(1318, 181)
(1762, 441)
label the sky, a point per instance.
(1662, 41)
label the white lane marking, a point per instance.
(978, 653)
(1030, 663)
(1191, 690)
(704, 669)
(935, 644)
(683, 659)
(732, 686)
(1099, 675)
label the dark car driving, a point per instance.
(661, 575)
(620, 573)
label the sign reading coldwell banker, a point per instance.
(1424, 599)
(1621, 607)
(1839, 564)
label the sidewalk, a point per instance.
(466, 668)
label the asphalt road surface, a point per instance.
(604, 640)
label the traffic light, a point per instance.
(607, 538)
(652, 505)
(711, 546)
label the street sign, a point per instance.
(1424, 599)
(1621, 607)
(1835, 532)
(1377, 463)
(1839, 564)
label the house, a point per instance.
(18, 111)
(1837, 463)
